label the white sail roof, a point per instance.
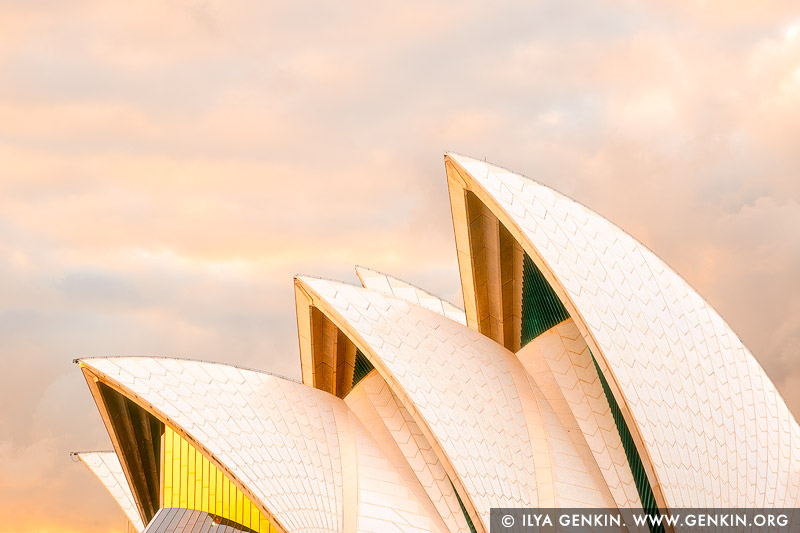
(716, 430)
(560, 364)
(501, 437)
(448, 404)
(394, 429)
(297, 450)
(106, 467)
(378, 281)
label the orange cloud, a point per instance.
(166, 168)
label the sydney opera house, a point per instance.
(581, 372)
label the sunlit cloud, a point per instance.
(168, 167)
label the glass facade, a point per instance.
(191, 481)
(361, 368)
(541, 308)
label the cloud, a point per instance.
(168, 167)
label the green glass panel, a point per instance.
(541, 308)
(463, 509)
(361, 368)
(634, 460)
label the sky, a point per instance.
(167, 167)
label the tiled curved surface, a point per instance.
(291, 445)
(387, 501)
(378, 281)
(107, 468)
(436, 361)
(716, 429)
(395, 430)
(560, 358)
(560, 361)
(472, 394)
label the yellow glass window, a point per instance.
(190, 481)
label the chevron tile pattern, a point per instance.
(560, 360)
(415, 417)
(386, 284)
(714, 426)
(293, 446)
(107, 468)
(435, 361)
(395, 430)
(476, 399)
